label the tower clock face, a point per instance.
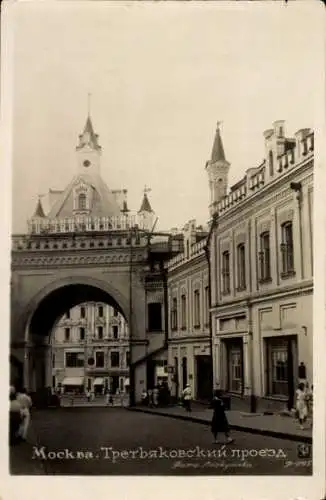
(87, 163)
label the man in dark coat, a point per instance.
(219, 421)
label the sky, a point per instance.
(160, 76)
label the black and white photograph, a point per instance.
(163, 158)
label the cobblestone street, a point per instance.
(113, 441)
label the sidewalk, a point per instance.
(98, 402)
(277, 425)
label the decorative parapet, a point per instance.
(195, 250)
(55, 242)
(84, 223)
(255, 179)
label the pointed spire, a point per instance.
(145, 206)
(218, 150)
(39, 212)
(88, 137)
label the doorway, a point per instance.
(203, 377)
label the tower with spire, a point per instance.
(218, 171)
(88, 149)
(146, 213)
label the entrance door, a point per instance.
(114, 384)
(281, 363)
(235, 366)
(204, 377)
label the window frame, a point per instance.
(287, 250)
(117, 353)
(226, 278)
(241, 267)
(102, 353)
(197, 315)
(183, 311)
(264, 257)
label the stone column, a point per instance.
(247, 361)
(27, 369)
(191, 368)
(217, 364)
(48, 365)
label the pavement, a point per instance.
(114, 441)
(277, 425)
(99, 401)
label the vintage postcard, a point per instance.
(165, 167)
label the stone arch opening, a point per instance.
(47, 309)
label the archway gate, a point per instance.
(53, 272)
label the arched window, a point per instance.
(271, 164)
(82, 201)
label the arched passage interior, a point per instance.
(43, 319)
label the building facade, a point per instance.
(262, 269)
(84, 245)
(189, 334)
(90, 350)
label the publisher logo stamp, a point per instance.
(304, 451)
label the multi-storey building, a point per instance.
(262, 268)
(90, 350)
(189, 333)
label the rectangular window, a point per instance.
(196, 308)
(207, 306)
(53, 359)
(128, 358)
(115, 359)
(100, 311)
(82, 333)
(115, 313)
(155, 316)
(183, 312)
(74, 359)
(264, 258)
(241, 266)
(82, 312)
(115, 331)
(99, 359)
(67, 334)
(278, 366)
(287, 250)
(100, 332)
(226, 273)
(174, 314)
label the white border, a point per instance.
(224, 488)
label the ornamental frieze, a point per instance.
(72, 260)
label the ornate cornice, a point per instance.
(298, 289)
(65, 260)
(269, 196)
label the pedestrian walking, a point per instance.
(15, 417)
(144, 397)
(310, 402)
(150, 398)
(301, 405)
(186, 394)
(88, 395)
(25, 402)
(220, 422)
(155, 396)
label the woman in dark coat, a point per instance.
(219, 420)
